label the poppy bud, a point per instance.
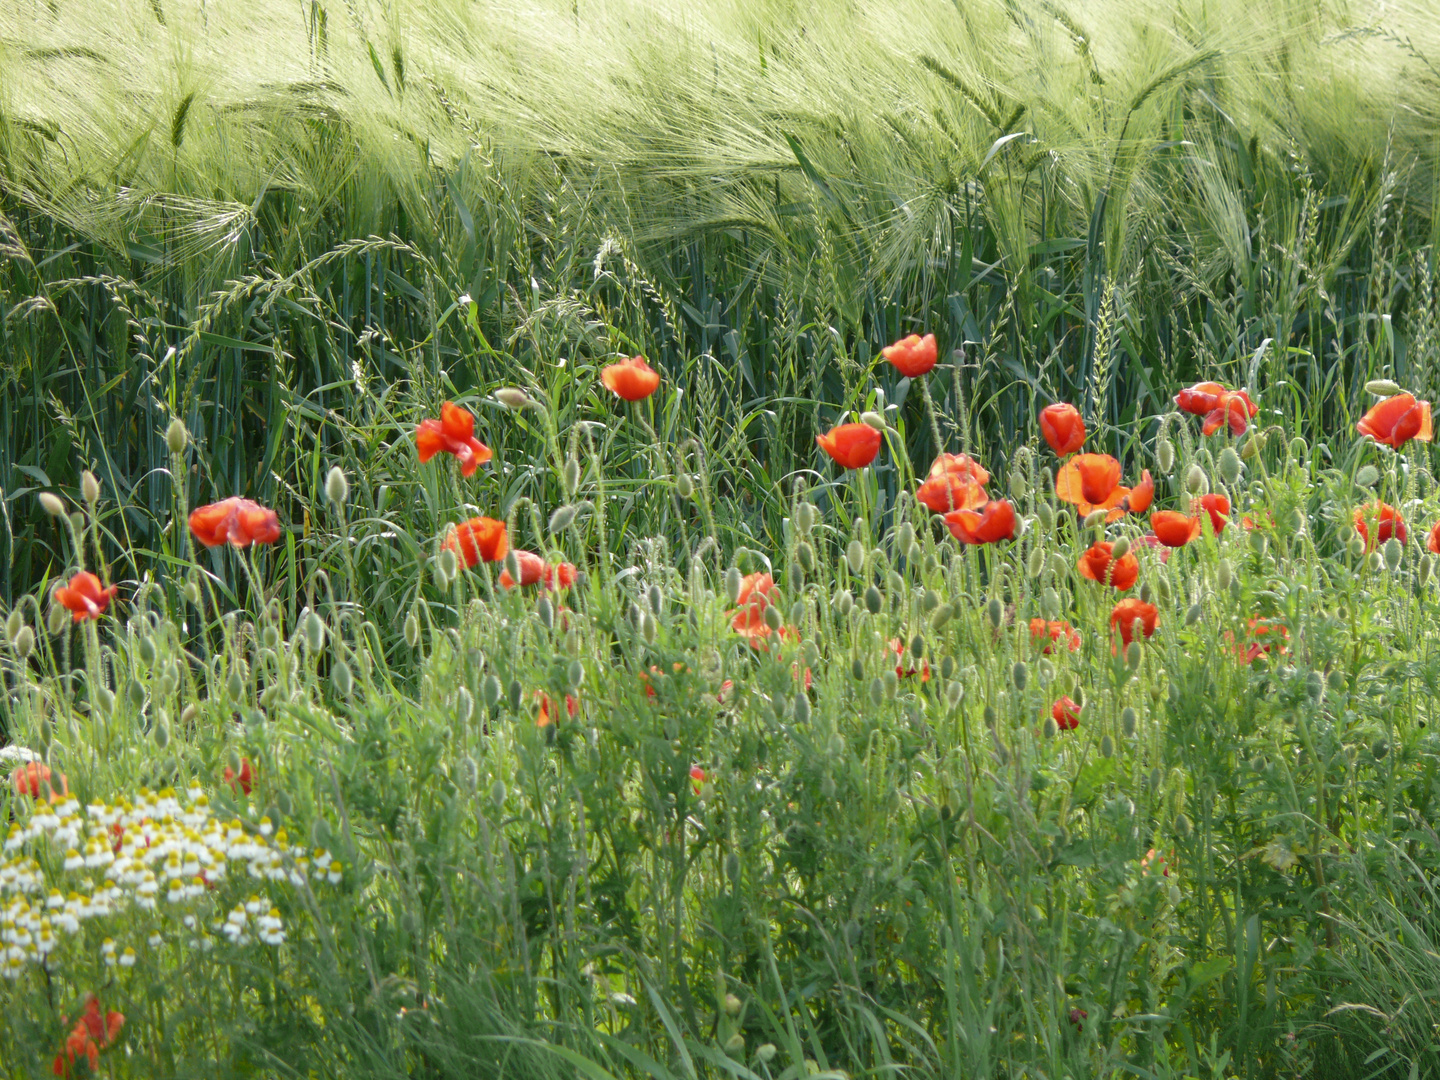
(1253, 445)
(1120, 549)
(857, 669)
(1107, 747)
(955, 692)
(176, 437)
(161, 731)
(314, 632)
(873, 600)
(337, 488)
(648, 628)
(844, 602)
(684, 486)
(1314, 686)
(570, 475)
(1147, 594)
(733, 582)
(1356, 546)
(51, 503)
(805, 555)
(1426, 568)
(1382, 388)
(765, 1053)
(469, 777)
(895, 582)
(1078, 696)
(1018, 487)
(1229, 465)
(802, 709)
(464, 706)
(515, 694)
(943, 614)
(1222, 574)
(1394, 552)
(917, 646)
(1195, 481)
(890, 684)
(234, 686)
(1128, 721)
(56, 619)
(490, 691)
(877, 692)
(343, 679)
(498, 793)
(805, 516)
(1133, 653)
(1165, 455)
(1380, 749)
(1374, 562)
(1035, 564)
(136, 692)
(873, 420)
(1095, 519)
(1050, 603)
(1367, 476)
(13, 625)
(1059, 565)
(990, 718)
(512, 397)
(192, 593)
(904, 537)
(89, 488)
(412, 630)
(855, 556)
(1045, 515)
(545, 612)
(995, 612)
(23, 642)
(1051, 728)
(929, 601)
(1019, 675)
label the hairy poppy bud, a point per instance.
(176, 437)
(234, 686)
(890, 683)
(990, 716)
(1356, 547)
(562, 518)
(314, 632)
(89, 488)
(1050, 728)
(1368, 476)
(51, 503)
(917, 646)
(1374, 562)
(512, 397)
(1380, 749)
(1133, 653)
(464, 706)
(655, 598)
(1059, 565)
(1045, 515)
(649, 629)
(1050, 603)
(56, 619)
(805, 516)
(1107, 747)
(1128, 721)
(766, 1052)
(1019, 675)
(136, 692)
(1426, 568)
(733, 581)
(498, 793)
(995, 612)
(23, 642)
(1223, 574)
(895, 583)
(192, 593)
(161, 731)
(469, 776)
(570, 475)
(873, 420)
(1229, 465)
(1182, 826)
(412, 630)
(1035, 564)
(1253, 445)
(1165, 455)
(1394, 552)
(943, 614)
(844, 603)
(1120, 549)
(873, 600)
(904, 537)
(802, 709)
(857, 669)
(855, 556)
(13, 625)
(955, 692)
(343, 679)
(490, 691)
(1314, 686)
(1095, 519)
(684, 486)
(1078, 696)
(1382, 388)
(877, 692)
(929, 601)
(1195, 481)
(514, 694)
(1018, 487)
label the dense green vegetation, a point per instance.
(297, 229)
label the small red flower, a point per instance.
(1200, 399)
(1433, 541)
(1063, 428)
(84, 597)
(1078, 1017)
(1098, 564)
(632, 379)
(1174, 529)
(697, 778)
(1397, 420)
(26, 780)
(1127, 613)
(1066, 714)
(453, 433)
(532, 569)
(242, 780)
(479, 539)
(559, 575)
(543, 718)
(1091, 482)
(955, 482)
(993, 522)
(851, 446)
(1265, 636)
(906, 665)
(240, 521)
(757, 592)
(1234, 409)
(1387, 521)
(1052, 631)
(1141, 495)
(1218, 507)
(912, 356)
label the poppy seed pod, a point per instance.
(337, 488)
(570, 475)
(1368, 476)
(51, 503)
(1195, 482)
(176, 437)
(1128, 721)
(873, 600)
(1229, 465)
(89, 488)
(343, 679)
(855, 556)
(1382, 388)
(1165, 455)
(995, 612)
(873, 420)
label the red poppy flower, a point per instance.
(852, 446)
(1091, 482)
(559, 575)
(543, 718)
(1387, 521)
(1397, 420)
(26, 780)
(755, 595)
(532, 569)
(907, 666)
(1052, 631)
(632, 379)
(1066, 714)
(453, 433)
(994, 521)
(1218, 507)
(1433, 542)
(1200, 399)
(1127, 613)
(92, 1033)
(1265, 636)
(1153, 860)
(1141, 495)
(83, 596)
(912, 356)
(697, 778)
(955, 482)
(1234, 409)
(478, 539)
(1097, 564)
(242, 780)
(1174, 529)
(1063, 428)
(241, 521)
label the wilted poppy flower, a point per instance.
(1052, 631)
(1066, 714)
(1127, 613)
(1091, 482)
(1097, 564)
(83, 596)
(26, 780)
(1387, 521)
(532, 569)
(240, 521)
(906, 665)
(1063, 428)
(453, 433)
(481, 539)
(1218, 507)
(955, 482)
(1078, 1017)
(1397, 420)
(852, 446)
(1174, 529)
(1433, 541)
(994, 521)
(1234, 409)
(1200, 399)
(242, 780)
(912, 356)
(1264, 636)
(631, 379)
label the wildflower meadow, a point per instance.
(612, 541)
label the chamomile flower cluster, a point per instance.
(158, 857)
